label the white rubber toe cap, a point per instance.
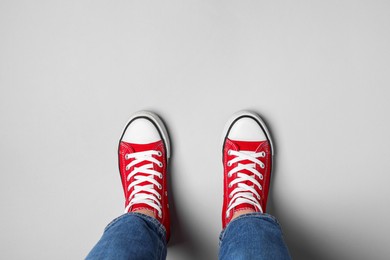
(246, 129)
(141, 131)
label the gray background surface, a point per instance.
(72, 72)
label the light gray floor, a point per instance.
(72, 72)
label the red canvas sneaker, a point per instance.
(247, 161)
(143, 159)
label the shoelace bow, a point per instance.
(144, 193)
(244, 193)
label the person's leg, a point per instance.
(253, 236)
(142, 233)
(131, 236)
(247, 160)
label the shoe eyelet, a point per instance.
(159, 197)
(262, 154)
(230, 152)
(160, 176)
(159, 154)
(230, 196)
(229, 164)
(160, 164)
(261, 177)
(159, 186)
(229, 185)
(127, 168)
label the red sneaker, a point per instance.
(143, 159)
(247, 161)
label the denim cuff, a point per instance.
(264, 216)
(151, 220)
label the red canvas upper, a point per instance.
(127, 148)
(266, 172)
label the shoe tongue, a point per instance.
(247, 146)
(141, 148)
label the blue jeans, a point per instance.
(137, 236)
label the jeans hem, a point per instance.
(260, 215)
(160, 227)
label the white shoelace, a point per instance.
(244, 193)
(144, 193)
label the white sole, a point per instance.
(253, 115)
(159, 124)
